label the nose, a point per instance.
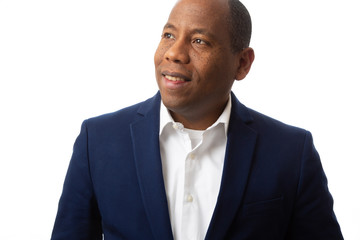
(178, 52)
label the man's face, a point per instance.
(194, 63)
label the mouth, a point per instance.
(176, 77)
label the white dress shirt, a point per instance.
(192, 163)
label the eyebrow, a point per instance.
(169, 25)
(196, 30)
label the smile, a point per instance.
(174, 79)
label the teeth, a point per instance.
(174, 78)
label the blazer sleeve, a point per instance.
(313, 216)
(78, 215)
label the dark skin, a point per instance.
(195, 64)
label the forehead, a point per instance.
(200, 13)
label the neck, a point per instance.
(198, 120)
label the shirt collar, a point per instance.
(166, 119)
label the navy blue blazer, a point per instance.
(273, 185)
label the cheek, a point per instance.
(157, 56)
(159, 53)
(224, 66)
(208, 67)
(202, 64)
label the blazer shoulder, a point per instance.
(125, 115)
(265, 124)
(261, 123)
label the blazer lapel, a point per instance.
(145, 138)
(239, 153)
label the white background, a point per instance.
(64, 61)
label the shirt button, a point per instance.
(189, 198)
(178, 126)
(192, 156)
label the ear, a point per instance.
(245, 60)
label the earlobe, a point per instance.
(246, 58)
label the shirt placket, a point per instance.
(190, 215)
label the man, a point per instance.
(192, 162)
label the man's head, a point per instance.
(198, 59)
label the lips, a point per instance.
(175, 77)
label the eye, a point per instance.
(168, 35)
(199, 41)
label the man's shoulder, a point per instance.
(125, 115)
(119, 115)
(272, 135)
(264, 121)
(274, 131)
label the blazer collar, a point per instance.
(145, 139)
(239, 153)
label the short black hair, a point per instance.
(240, 26)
